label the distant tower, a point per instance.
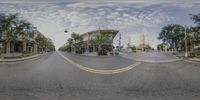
(148, 42)
(142, 41)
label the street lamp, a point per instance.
(120, 41)
(185, 38)
(66, 31)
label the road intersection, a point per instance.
(52, 77)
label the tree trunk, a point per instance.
(74, 49)
(99, 48)
(191, 46)
(8, 47)
(93, 48)
(24, 46)
(35, 49)
(12, 47)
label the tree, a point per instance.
(41, 40)
(93, 42)
(133, 48)
(173, 35)
(8, 26)
(70, 42)
(194, 35)
(45, 43)
(78, 41)
(76, 37)
(196, 18)
(49, 44)
(17, 29)
(160, 47)
(101, 38)
(23, 28)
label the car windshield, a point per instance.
(99, 50)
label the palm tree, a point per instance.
(93, 43)
(23, 31)
(70, 42)
(100, 39)
(8, 24)
(196, 18)
(193, 34)
(41, 40)
(172, 34)
(74, 37)
(77, 38)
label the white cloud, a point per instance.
(128, 16)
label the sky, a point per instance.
(131, 17)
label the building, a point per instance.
(92, 47)
(142, 44)
(20, 47)
(129, 45)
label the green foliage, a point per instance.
(76, 42)
(70, 41)
(160, 47)
(65, 48)
(16, 29)
(93, 42)
(45, 42)
(102, 52)
(172, 34)
(101, 38)
(148, 48)
(196, 18)
(196, 52)
(76, 37)
(8, 25)
(133, 48)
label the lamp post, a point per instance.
(186, 49)
(119, 45)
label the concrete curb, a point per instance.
(164, 61)
(194, 59)
(152, 61)
(21, 59)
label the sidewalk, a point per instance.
(93, 54)
(21, 59)
(90, 54)
(150, 57)
(194, 59)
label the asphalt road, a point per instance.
(52, 77)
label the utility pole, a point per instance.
(186, 49)
(120, 41)
(87, 50)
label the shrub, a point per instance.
(102, 52)
(133, 48)
(195, 53)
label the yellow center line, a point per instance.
(115, 71)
